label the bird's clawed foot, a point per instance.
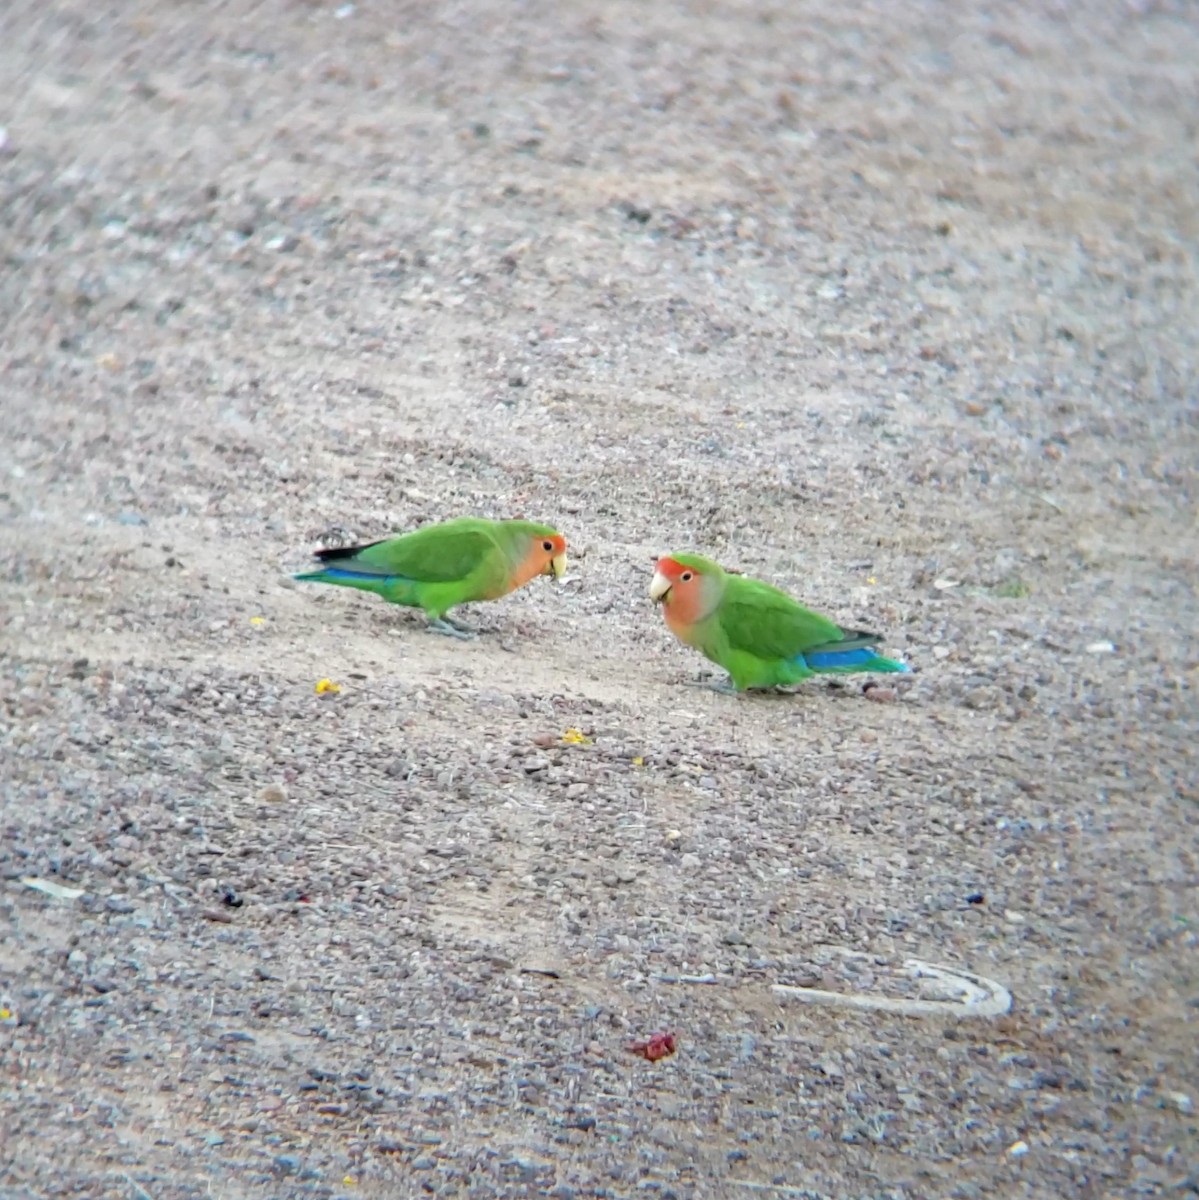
(454, 629)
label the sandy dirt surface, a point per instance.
(895, 305)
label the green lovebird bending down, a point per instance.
(757, 633)
(438, 567)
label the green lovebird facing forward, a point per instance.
(757, 633)
(438, 567)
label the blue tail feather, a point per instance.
(342, 573)
(824, 659)
(369, 580)
(862, 658)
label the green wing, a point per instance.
(442, 553)
(760, 620)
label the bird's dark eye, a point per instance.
(547, 546)
(686, 576)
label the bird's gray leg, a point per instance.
(449, 629)
(723, 687)
(461, 626)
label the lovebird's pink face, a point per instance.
(545, 555)
(683, 591)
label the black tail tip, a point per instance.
(328, 553)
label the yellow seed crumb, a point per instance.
(872, 581)
(258, 620)
(576, 737)
(327, 685)
(639, 761)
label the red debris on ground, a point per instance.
(659, 1045)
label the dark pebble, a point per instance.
(1049, 1079)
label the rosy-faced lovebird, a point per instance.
(754, 631)
(438, 567)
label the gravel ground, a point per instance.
(894, 305)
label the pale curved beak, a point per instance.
(557, 566)
(659, 587)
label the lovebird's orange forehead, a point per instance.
(670, 567)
